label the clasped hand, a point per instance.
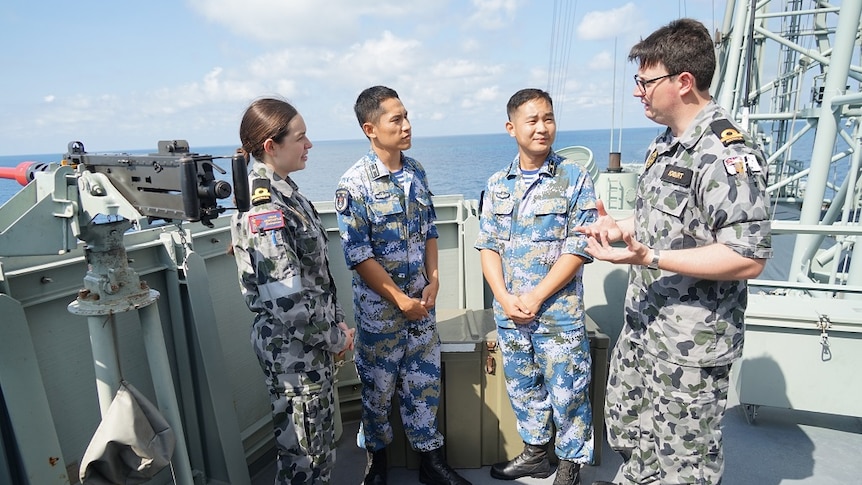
(351, 334)
(520, 309)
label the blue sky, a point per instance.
(121, 76)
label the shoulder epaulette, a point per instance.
(726, 132)
(260, 191)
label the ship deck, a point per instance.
(780, 446)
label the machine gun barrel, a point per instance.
(24, 172)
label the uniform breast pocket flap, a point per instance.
(423, 200)
(386, 207)
(502, 225)
(503, 207)
(550, 219)
(671, 201)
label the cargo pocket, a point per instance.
(689, 438)
(313, 420)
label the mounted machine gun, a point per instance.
(171, 185)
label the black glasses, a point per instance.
(643, 83)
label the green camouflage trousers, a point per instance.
(666, 417)
(303, 409)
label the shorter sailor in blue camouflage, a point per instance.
(532, 259)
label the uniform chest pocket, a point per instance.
(671, 201)
(309, 242)
(550, 219)
(387, 215)
(502, 210)
(381, 209)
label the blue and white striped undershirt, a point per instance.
(529, 176)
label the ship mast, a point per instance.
(785, 50)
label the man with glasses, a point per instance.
(699, 231)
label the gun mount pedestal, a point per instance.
(111, 287)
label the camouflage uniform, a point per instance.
(380, 218)
(281, 255)
(670, 368)
(546, 363)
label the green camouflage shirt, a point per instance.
(281, 254)
(705, 187)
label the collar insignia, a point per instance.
(651, 159)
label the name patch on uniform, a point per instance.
(265, 221)
(726, 132)
(260, 192)
(677, 175)
(342, 196)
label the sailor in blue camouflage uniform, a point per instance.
(532, 259)
(280, 248)
(386, 220)
(700, 230)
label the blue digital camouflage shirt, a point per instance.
(707, 186)
(530, 227)
(380, 218)
(280, 248)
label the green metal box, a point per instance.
(800, 353)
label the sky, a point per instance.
(123, 75)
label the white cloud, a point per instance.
(309, 22)
(482, 97)
(607, 24)
(470, 44)
(388, 53)
(493, 14)
(601, 61)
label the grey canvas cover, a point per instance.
(132, 443)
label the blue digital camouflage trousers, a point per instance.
(303, 411)
(667, 416)
(548, 379)
(406, 362)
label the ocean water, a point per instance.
(455, 164)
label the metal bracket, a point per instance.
(823, 323)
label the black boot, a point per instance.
(375, 472)
(568, 473)
(433, 469)
(532, 462)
